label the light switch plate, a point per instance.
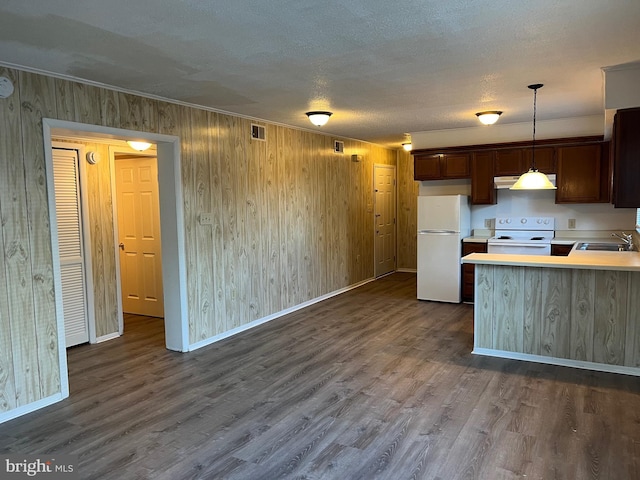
(572, 223)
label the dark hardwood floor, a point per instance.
(371, 384)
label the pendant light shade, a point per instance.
(319, 118)
(533, 179)
(407, 146)
(490, 117)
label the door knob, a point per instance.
(121, 246)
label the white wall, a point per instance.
(509, 132)
(588, 216)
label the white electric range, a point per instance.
(522, 235)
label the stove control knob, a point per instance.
(508, 220)
(523, 221)
(540, 220)
(546, 221)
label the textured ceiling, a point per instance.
(383, 67)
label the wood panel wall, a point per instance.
(586, 315)
(408, 190)
(291, 219)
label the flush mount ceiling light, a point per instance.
(490, 117)
(319, 118)
(533, 179)
(407, 146)
(139, 146)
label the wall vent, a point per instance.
(338, 146)
(258, 132)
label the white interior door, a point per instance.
(66, 180)
(139, 236)
(385, 218)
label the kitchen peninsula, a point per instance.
(582, 310)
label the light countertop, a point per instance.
(476, 239)
(586, 260)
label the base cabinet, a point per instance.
(468, 270)
(560, 250)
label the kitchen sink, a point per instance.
(604, 247)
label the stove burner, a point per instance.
(504, 237)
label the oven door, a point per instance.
(519, 248)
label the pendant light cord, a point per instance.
(533, 144)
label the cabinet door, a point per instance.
(455, 165)
(482, 188)
(468, 269)
(510, 162)
(583, 174)
(545, 159)
(626, 179)
(426, 167)
(517, 161)
(560, 250)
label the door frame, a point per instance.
(113, 151)
(395, 205)
(172, 228)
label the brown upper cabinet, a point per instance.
(516, 161)
(626, 158)
(582, 166)
(583, 173)
(441, 166)
(483, 191)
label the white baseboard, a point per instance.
(599, 367)
(109, 336)
(407, 270)
(268, 318)
(30, 407)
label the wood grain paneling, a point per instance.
(292, 221)
(508, 311)
(532, 310)
(18, 262)
(556, 283)
(408, 190)
(632, 345)
(573, 314)
(37, 101)
(610, 317)
(583, 286)
(484, 308)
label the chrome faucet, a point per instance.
(626, 238)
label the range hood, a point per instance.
(509, 181)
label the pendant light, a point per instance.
(533, 179)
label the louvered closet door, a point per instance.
(69, 219)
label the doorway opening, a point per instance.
(171, 228)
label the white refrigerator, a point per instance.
(443, 221)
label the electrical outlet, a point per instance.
(487, 223)
(572, 223)
(206, 219)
